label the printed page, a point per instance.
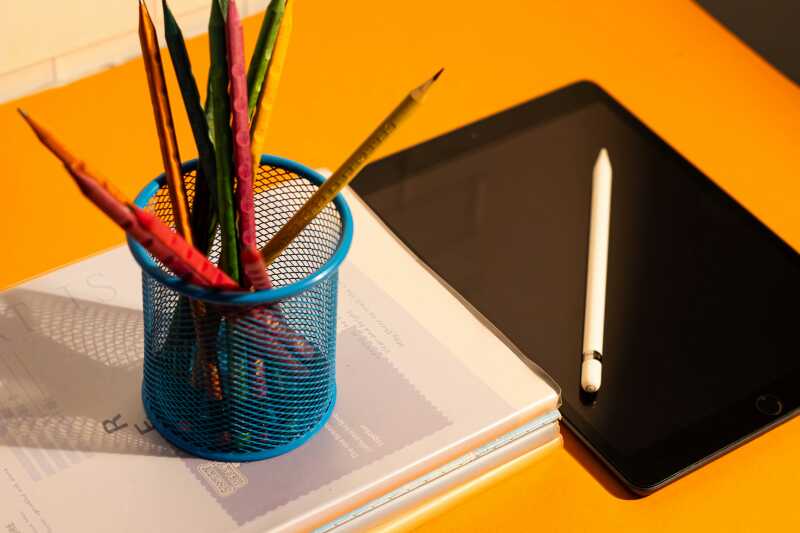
(77, 452)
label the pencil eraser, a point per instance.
(591, 375)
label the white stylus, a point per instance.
(595, 311)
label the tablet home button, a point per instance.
(769, 404)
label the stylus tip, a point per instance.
(603, 164)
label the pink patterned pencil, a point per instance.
(254, 268)
(120, 213)
(190, 266)
(179, 251)
(241, 129)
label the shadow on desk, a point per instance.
(594, 466)
(70, 381)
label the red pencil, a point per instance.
(183, 252)
(107, 202)
(269, 330)
(255, 268)
(188, 263)
(199, 272)
(241, 129)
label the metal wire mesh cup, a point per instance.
(242, 376)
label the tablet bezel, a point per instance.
(667, 460)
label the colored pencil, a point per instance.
(345, 174)
(268, 329)
(255, 269)
(219, 105)
(265, 44)
(200, 266)
(174, 252)
(269, 91)
(70, 161)
(203, 214)
(238, 367)
(122, 215)
(164, 124)
(241, 132)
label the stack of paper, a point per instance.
(429, 397)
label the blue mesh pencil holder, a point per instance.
(243, 376)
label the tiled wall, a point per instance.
(44, 43)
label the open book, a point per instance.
(426, 390)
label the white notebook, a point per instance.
(423, 385)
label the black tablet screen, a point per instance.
(702, 301)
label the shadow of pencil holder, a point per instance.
(243, 376)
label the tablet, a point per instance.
(703, 300)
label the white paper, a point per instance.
(420, 382)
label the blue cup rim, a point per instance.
(191, 290)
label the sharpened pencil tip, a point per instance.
(419, 93)
(28, 120)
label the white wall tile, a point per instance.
(179, 7)
(72, 39)
(32, 31)
(26, 80)
(253, 7)
(51, 42)
(94, 58)
(193, 22)
(192, 15)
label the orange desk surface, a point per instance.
(352, 60)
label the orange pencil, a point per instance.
(122, 215)
(184, 252)
(164, 124)
(197, 269)
(71, 162)
(175, 253)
